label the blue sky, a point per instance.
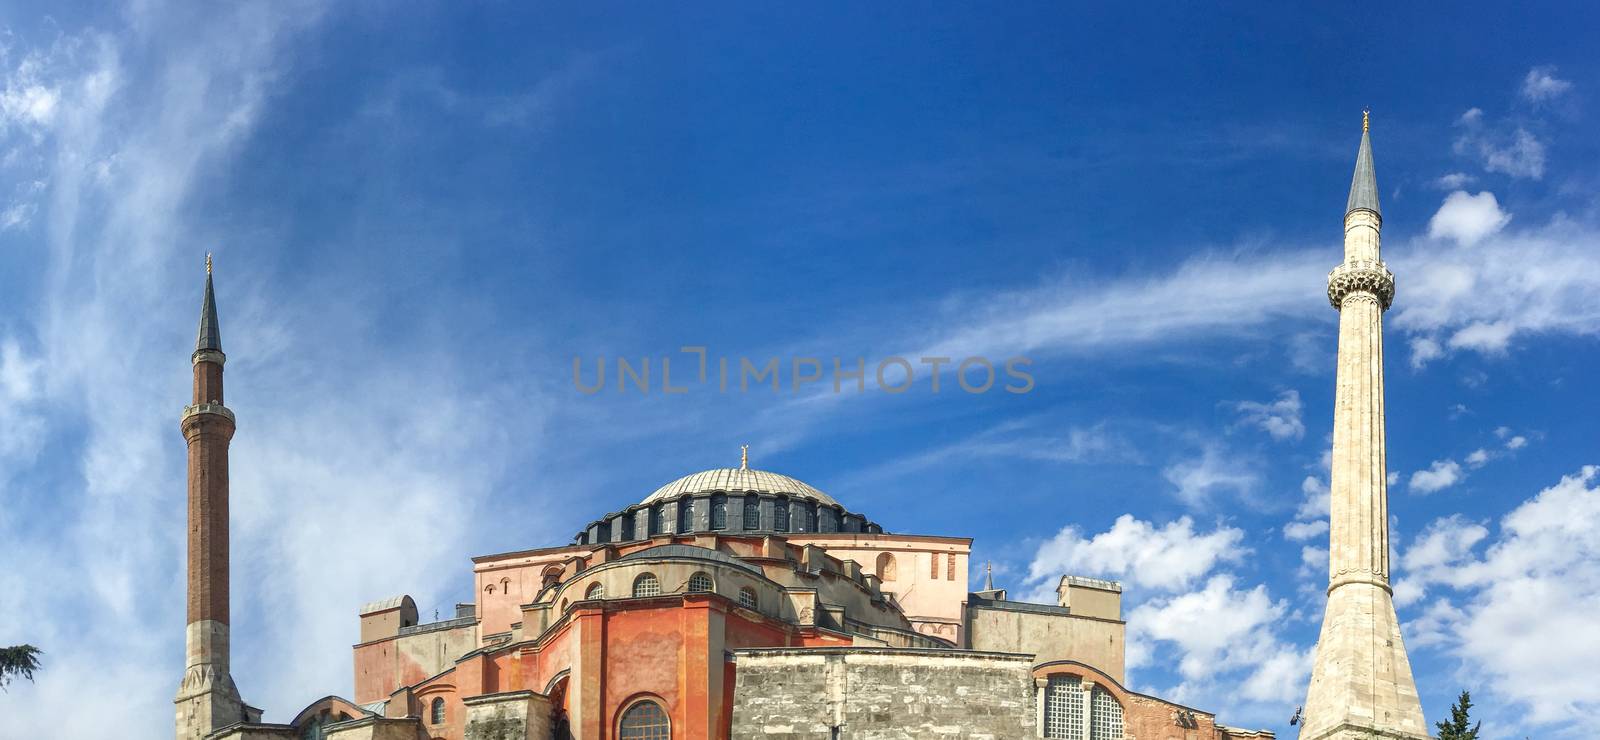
(421, 218)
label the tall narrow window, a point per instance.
(1105, 721)
(933, 566)
(646, 585)
(950, 567)
(685, 514)
(699, 583)
(811, 517)
(886, 567)
(780, 515)
(627, 527)
(436, 715)
(1063, 708)
(644, 721)
(719, 511)
(752, 512)
(658, 524)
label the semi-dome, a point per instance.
(733, 480)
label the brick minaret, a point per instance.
(1361, 684)
(207, 699)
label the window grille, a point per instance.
(686, 515)
(699, 583)
(752, 513)
(747, 598)
(644, 721)
(719, 512)
(658, 523)
(627, 528)
(811, 517)
(1105, 717)
(1063, 708)
(436, 716)
(596, 591)
(781, 516)
(646, 585)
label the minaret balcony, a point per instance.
(207, 408)
(1357, 276)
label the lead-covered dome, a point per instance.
(729, 480)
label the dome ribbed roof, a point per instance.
(739, 479)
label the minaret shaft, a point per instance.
(1361, 682)
(207, 698)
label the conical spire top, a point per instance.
(210, 336)
(1364, 186)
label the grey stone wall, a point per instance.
(882, 694)
(514, 715)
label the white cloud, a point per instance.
(1315, 501)
(1135, 551)
(1541, 85)
(1302, 531)
(1453, 181)
(1424, 350)
(1280, 418)
(1199, 479)
(1477, 458)
(1468, 218)
(1483, 296)
(1516, 442)
(1439, 476)
(1393, 478)
(1434, 555)
(1539, 578)
(1217, 630)
(1517, 153)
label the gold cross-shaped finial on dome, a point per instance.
(1364, 113)
(744, 457)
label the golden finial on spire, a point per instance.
(208, 263)
(988, 576)
(1364, 113)
(744, 457)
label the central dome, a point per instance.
(738, 479)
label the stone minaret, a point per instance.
(207, 699)
(1361, 685)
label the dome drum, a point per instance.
(731, 512)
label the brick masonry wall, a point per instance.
(881, 694)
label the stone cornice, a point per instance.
(208, 355)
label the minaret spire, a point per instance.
(1364, 185)
(207, 699)
(1361, 683)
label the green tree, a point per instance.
(1457, 726)
(21, 660)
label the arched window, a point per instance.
(886, 567)
(752, 512)
(627, 528)
(552, 576)
(685, 514)
(489, 589)
(811, 518)
(780, 518)
(658, 522)
(436, 715)
(597, 590)
(719, 512)
(644, 721)
(1105, 717)
(646, 585)
(1063, 708)
(699, 583)
(747, 598)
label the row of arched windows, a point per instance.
(798, 515)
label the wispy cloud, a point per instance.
(1541, 84)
